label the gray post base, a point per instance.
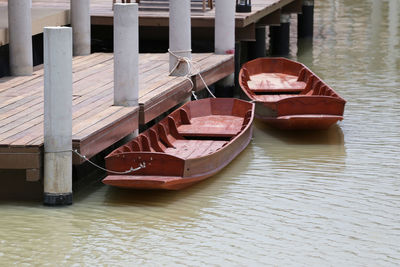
(51, 199)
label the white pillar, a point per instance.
(224, 27)
(179, 35)
(126, 55)
(225, 32)
(57, 115)
(20, 35)
(80, 22)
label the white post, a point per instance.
(224, 27)
(80, 22)
(225, 32)
(57, 116)
(20, 35)
(179, 36)
(126, 54)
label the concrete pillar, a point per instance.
(280, 37)
(57, 116)
(225, 40)
(126, 55)
(179, 36)
(80, 22)
(305, 25)
(20, 35)
(224, 27)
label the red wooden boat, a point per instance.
(290, 96)
(193, 143)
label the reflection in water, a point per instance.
(303, 198)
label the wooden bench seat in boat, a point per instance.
(272, 98)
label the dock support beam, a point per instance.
(225, 40)
(126, 55)
(305, 25)
(280, 37)
(180, 44)
(57, 116)
(258, 48)
(20, 35)
(80, 22)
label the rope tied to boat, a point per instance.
(189, 74)
(141, 165)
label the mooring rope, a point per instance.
(141, 165)
(191, 65)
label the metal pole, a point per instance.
(20, 35)
(179, 36)
(57, 116)
(126, 55)
(80, 22)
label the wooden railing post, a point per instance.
(20, 35)
(57, 116)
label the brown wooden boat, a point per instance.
(191, 144)
(290, 96)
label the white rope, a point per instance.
(191, 65)
(141, 165)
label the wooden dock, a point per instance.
(155, 14)
(41, 17)
(97, 124)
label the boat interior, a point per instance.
(197, 129)
(273, 79)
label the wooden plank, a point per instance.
(272, 19)
(293, 7)
(109, 131)
(20, 160)
(41, 16)
(214, 70)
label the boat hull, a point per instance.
(289, 96)
(301, 122)
(176, 171)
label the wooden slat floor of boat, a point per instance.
(187, 149)
(274, 82)
(96, 122)
(213, 125)
(155, 13)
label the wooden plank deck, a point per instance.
(41, 17)
(155, 13)
(96, 122)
